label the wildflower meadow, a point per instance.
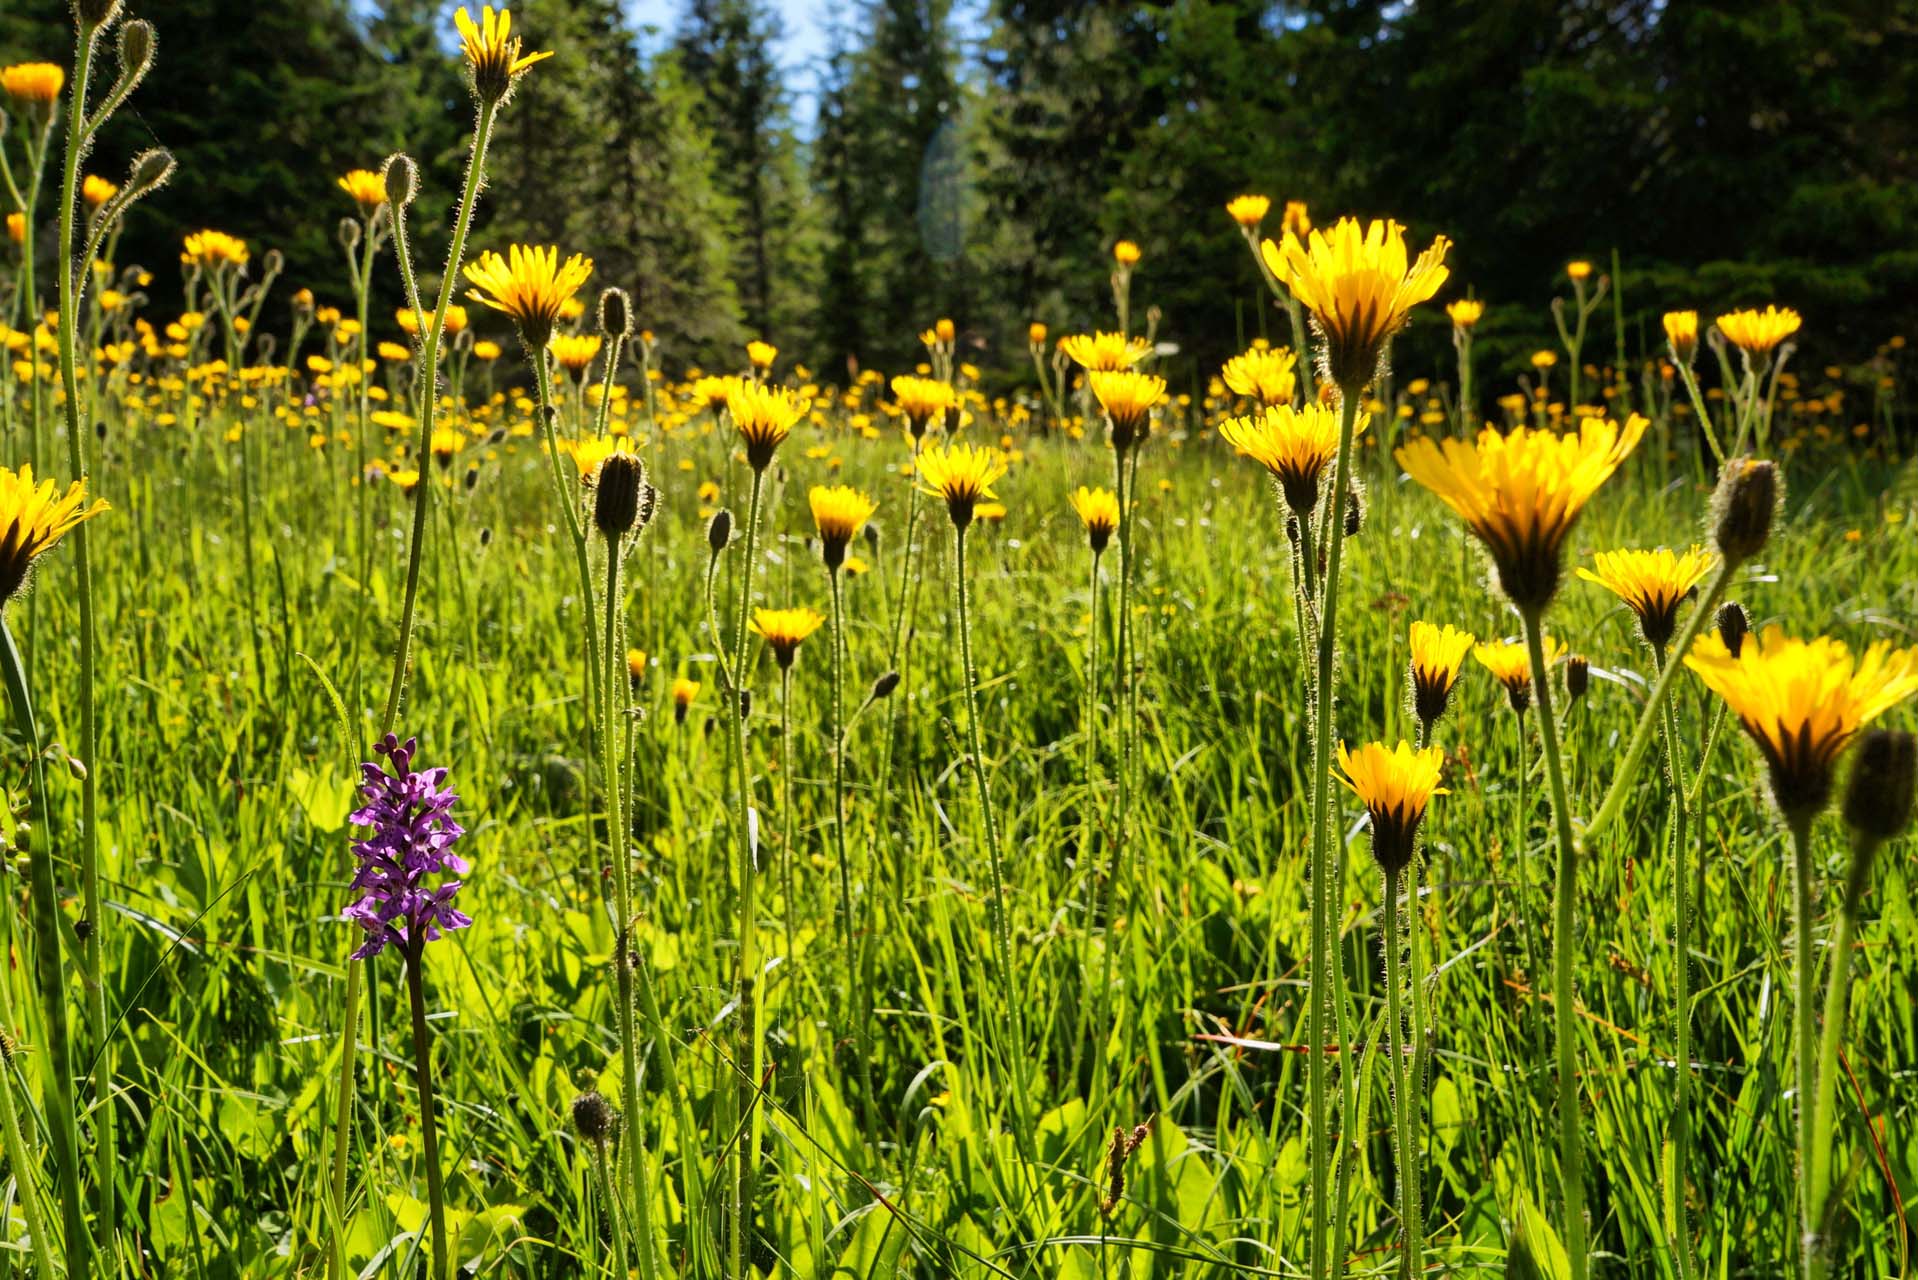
(499, 788)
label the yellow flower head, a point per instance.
(367, 188)
(17, 227)
(1128, 398)
(1578, 270)
(1758, 333)
(33, 84)
(1099, 510)
(455, 318)
(1359, 287)
(492, 52)
(34, 520)
(684, 691)
(944, 331)
(1036, 334)
(574, 352)
(1437, 655)
(1545, 359)
(1104, 351)
(1465, 313)
(636, 662)
(1295, 219)
(589, 453)
(446, 444)
(96, 190)
(1266, 374)
(784, 630)
(530, 284)
(214, 249)
(1520, 493)
(764, 416)
(1126, 253)
(839, 512)
(1803, 701)
(1295, 445)
(761, 354)
(1653, 583)
(962, 474)
(394, 351)
(1395, 785)
(1681, 330)
(921, 400)
(1248, 211)
(1511, 665)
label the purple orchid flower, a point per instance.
(410, 815)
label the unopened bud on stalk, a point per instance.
(617, 486)
(1354, 512)
(135, 44)
(402, 179)
(882, 687)
(95, 13)
(720, 531)
(615, 314)
(594, 1118)
(349, 234)
(1578, 676)
(1744, 506)
(1884, 775)
(1733, 626)
(150, 171)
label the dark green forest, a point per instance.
(1728, 151)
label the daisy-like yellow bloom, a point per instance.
(455, 318)
(1545, 359)
(394, 351)
(1126, 253)
(684, 691)
(446, 444)
(1465, 313)
(1099, 511)
(96, 190)
(1520, 493)
(1758, 333)
(1802, 701)
(1681, 331)
(1511, 666)
(764, 417)
(1438, 653)
(214, 249)
(367, 188)
(17, 227)
(839, 512)
(492, 52)
(1395, 784)
(1578, 270)
(944, 331)
(1036, 334)
(530, 284)
(33, 84)
(1128, 397)
(589, 453)
(1266, 374)
(574, 352)
(1358, 284)
(921, 400)
(962, 474)
(33, 520)
(1295, 219)
(1104, 351)
(1653, 583)
(1248, 210)
(761, 354)
(1295, 445)
(487, 349)
(408, 320)
(636, 661)
(784, 630)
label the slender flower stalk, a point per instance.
(1465, 315)
(1573, 339)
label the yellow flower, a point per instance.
(764, 417)
(1128, 399)
(34, 520)
(1264, 373)
(17, 227)
(455, 318)
(367, 188)
(684, 691)
(1358, 286)
(1295, 445)
(574, 352)
(761, 354)
(97, 190)
(394, 351)
(636, 665)
(1520, 493)
(1803, 701)
(1395, 785)
(962, 474)
(1511, 665)
(1295, 219)
(1465, 313)
(1104, 351)
(1758, 333)
(531, 285)
(1653, 583)
(921, 399)
(784, 629)
(1544, 359)
(1437, 655)
(1125, 253)
(33, 84)
(1099, 511)
(492, 52)
(1248, 211)
(214, 249)
(1681, 330)
(1579, 270)
(446, 444)
(839, 512)
(1036, 334)
(944, 331)
(486, 349)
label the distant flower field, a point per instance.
(489, 798)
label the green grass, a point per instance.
(224, 785)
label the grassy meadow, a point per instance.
(1018, 982)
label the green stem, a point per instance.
(1682, 1251)
(19, 1158)
(746, 1068)
(1405, 1107)
(1804, 1050)
(1122, 776)
(856, 1003)
(1571, 1129)
(1837, 997)
(415, 950)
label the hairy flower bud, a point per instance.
(617, 488)
(615, 314)
(135, 41)
(720, 531)
(150, 171)
(1884, 775)
(594, 1118)
(96, 13)
(884, 685)
(1744, 506)
(402, 179)
(1578, 676)
(1733, 626)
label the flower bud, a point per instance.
(1578, 676)
(594, 1118)
(617, 487)
(1746, 501)
(720, 531)
(402, 179)
(96, 13)
(1354, 512)
(615, 314)
(882, 687)
(349, 234)
(135, 43)
(1733, 626)
(1884, 774)
(150, 171)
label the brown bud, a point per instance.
(1733, 626)
(1744, 506)
(1884, 774)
